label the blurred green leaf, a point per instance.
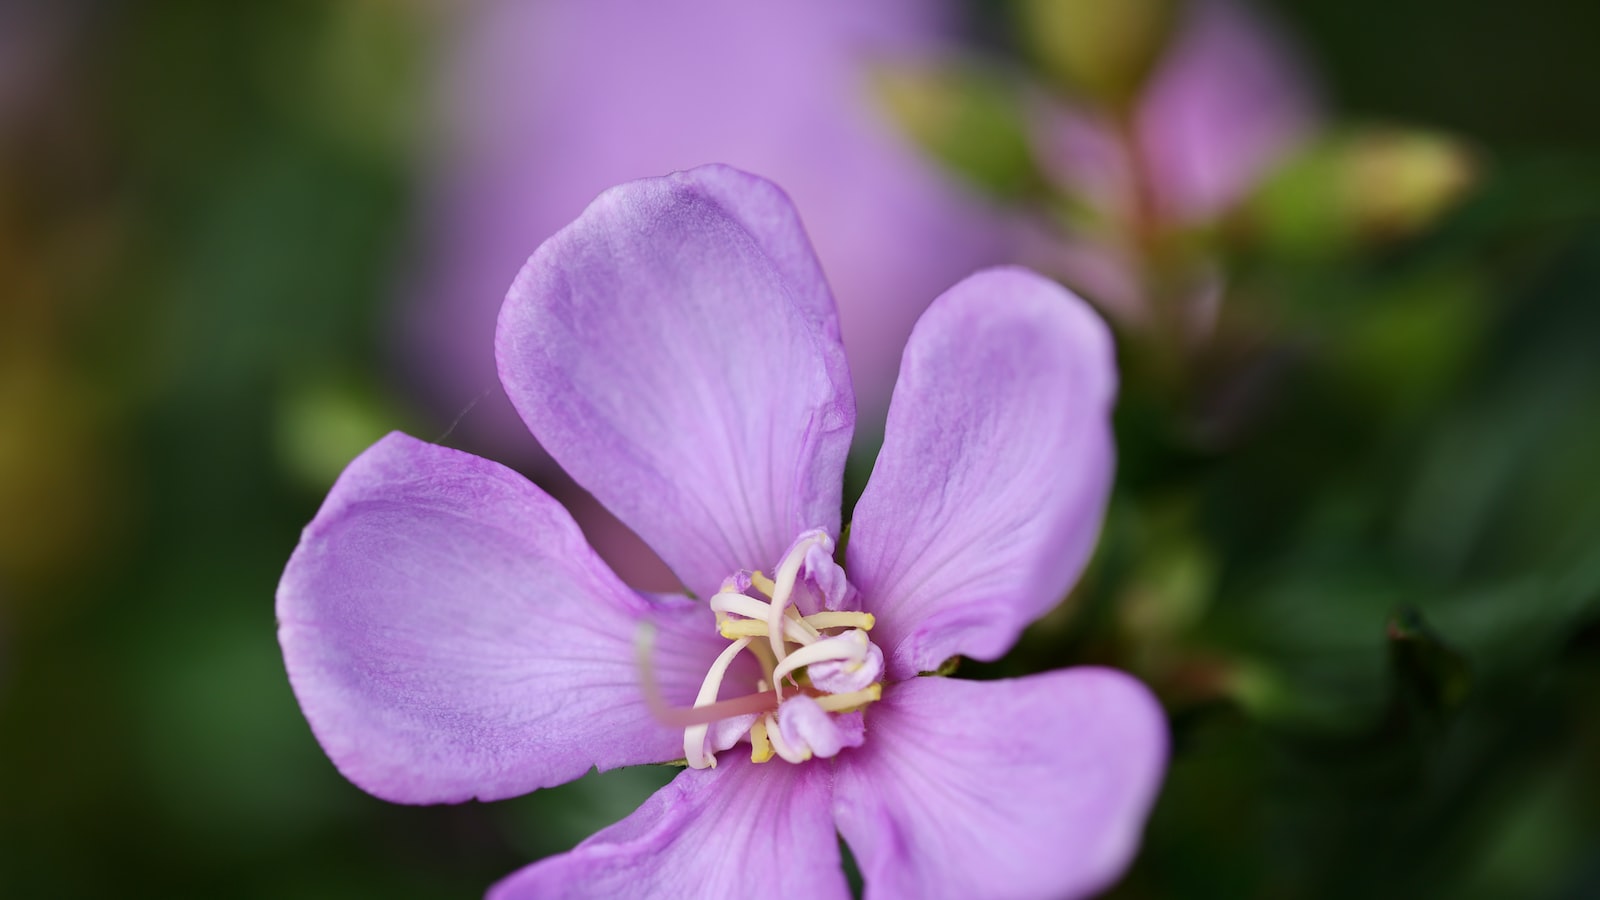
(1094, 48)
(1408, 343)
(1430, 676)
(556, 819)
(1359, 187)
(967, 114)
(323, 423)
(1310, 648)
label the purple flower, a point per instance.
(1228, 101)
(549, 103)
(450, 635)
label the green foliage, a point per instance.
(968, 115)
(1358, 187)
(1088, 47)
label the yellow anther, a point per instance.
(794, 630)
(861, 620)
(762, 583)
(851, 701)
(760, 747)
(733, 629)
(763, 655)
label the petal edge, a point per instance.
(449, 634)
(986, 500)
(1040, 790)
(676, 350)
(739, 830)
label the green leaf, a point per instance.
(1430, 677)
(1359, 187)
(966, 114)
(1094, 48)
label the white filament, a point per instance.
(783, 586)
(694, 737)
(850, 647)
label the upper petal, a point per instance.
(1036, 787)
(986, 499)
(450, 635)
(677, 352)
(774, 88)
(739, 830)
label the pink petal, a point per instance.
(987, 497)
(739, 830)
(449, 634)
(1037, 787)
(676, 351)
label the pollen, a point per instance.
(762, 583)
(852, 701)
(760, 747)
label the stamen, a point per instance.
(694, 737)
(850, 646)
(733, 629)
(740, 605)
(783, 587)
(861, 620)
(762, 583)
(738, 628)
(811, 630)
(760, 747)
(794, 628)
(825, 656)
(733, 584)
(851, 701)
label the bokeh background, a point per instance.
(1353, 260)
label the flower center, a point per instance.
(817, 664)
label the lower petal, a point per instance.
(739, 830)
(449, 634)
(1036, 787)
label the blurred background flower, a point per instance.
(544, 105)
(1219, 102)
(1354, 540)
